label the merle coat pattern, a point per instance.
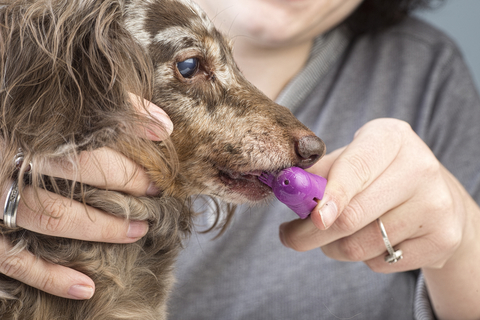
(68, 68)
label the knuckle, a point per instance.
(296, 241)
(449, 240)
(394, 128)
(400, 126)
(54, 208)
(359, 165)
(51, 223)
(341, 195)
(346, 222)
(351, 249)
(349, 219)
(442, 205)
(52, 219)
(48, 283)
(84, 159)
(329, 251)
(13, 266)
(136, 182)
(428, 165)
(110, 232)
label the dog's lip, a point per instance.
(242, 174)
(245, 182)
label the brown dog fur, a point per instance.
(67, 69)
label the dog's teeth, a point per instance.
(266, 178)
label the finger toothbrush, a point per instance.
(296, 188)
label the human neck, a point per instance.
(270, 69)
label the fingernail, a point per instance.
(81, 292)
(164, 119)
(328, 213)
(152, 190)
(137, 229)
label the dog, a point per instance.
(69, 68)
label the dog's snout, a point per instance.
(309, 149)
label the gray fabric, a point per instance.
(410, 72)
(421, 305)
(325, 52)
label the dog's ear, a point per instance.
(67, 70)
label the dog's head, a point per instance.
(67, 69)
(226, 131)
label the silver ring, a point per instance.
(393, 256)
(18, 161)
(11, 206)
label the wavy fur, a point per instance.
(67, 70)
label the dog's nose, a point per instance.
(309, 149)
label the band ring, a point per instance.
(393, 256)
(18, 161)
(11, 206)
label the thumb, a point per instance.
(326, 211)
(373, 149)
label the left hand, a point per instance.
(387, 171)
(54, 215)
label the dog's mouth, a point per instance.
(245, 183)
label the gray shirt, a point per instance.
(411, 72)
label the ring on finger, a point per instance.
(11, 206)
(18, 161)
(393, 255)
(13, 197)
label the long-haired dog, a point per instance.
(68, 71)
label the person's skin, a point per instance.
(272, 38)
(71, 221)
(426, 211)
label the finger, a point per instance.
(368, 243)
(416, 253)
(106, 169)
(411, 214)
(57, 216)
(154, 112)
(53, 279)
(362, 210)
(300, 235)
(323, 166)
(374, 148)
(303, 235)
(427, 244)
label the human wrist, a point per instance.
(454, 287)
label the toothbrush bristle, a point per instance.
(266, 178)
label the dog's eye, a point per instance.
(188, 68)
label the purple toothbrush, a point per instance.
(296, 188)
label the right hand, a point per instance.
(68, 219)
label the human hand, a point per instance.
(387, 171)
(63, 217)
